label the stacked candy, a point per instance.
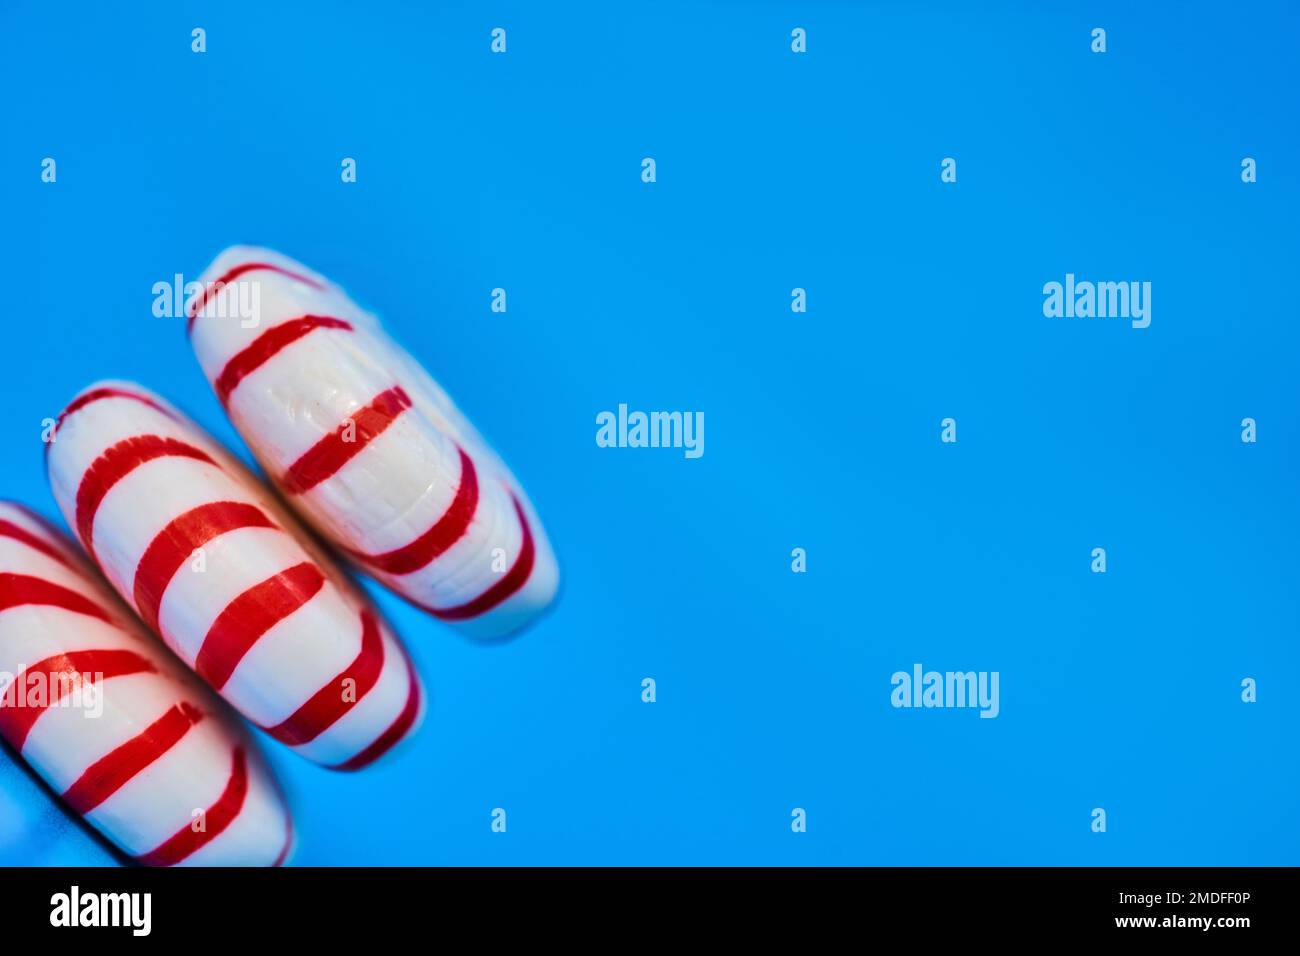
(366, 447)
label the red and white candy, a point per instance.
(211, 561)
(113, 723)
(367, 446)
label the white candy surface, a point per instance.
(367, 447)
(113, 723)
(211, 561)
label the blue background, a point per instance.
(775, 170)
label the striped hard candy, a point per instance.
(115, 725)
(366, 446)
(208, 559)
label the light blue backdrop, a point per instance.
(775, 171)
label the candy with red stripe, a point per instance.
(211, 561)
(114, 724)
(367, 446)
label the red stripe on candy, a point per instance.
(245, 619)
(61, 670)
(211, 289)
(10, 530)
(513, 580)
(216, 818)
(20, 589)
(335, 450)
(172, 546)
(265, 346)
(445, 532)
(328, 704)
(96, 394)
(110, 773)
(396, 730)
(114, 465)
